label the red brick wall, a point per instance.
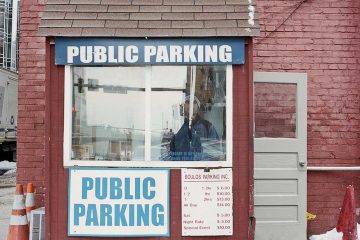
(320, 38)
(31, 116)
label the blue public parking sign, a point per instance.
(140, 51)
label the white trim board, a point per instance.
(147, 163)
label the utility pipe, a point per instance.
(318, 168)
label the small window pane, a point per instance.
(108, 113)
(176, 137)
(275, 110)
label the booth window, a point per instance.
(139, 116)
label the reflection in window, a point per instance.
(275, 110)
(178, 91)
(110, 113)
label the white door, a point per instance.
(280, 155)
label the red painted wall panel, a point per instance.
(320, 38)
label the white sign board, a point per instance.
(207, 202)
(118, 202)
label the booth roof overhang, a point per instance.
(149, 18)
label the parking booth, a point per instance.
(149, 132)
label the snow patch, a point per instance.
(251, 15)
(332, 235)
(13, 171)
(6, 165)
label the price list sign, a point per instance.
(207, 202)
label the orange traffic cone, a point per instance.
(18, 229)
(30, 200)
(347, 223)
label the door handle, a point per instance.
(302, 161)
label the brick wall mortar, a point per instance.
(320, 38)
(31, 114)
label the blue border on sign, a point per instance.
(167, 234)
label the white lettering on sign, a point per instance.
(86, 54)
(189, 54)
(175, 53)
(226, 53)
(200, 53)
(150, 54)
(162, 56)
(72, 51)
(100, 55)
(112, 58)
(206, 202)
(120, 54)
(211, 55)
(132, 54)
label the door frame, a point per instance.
(287, 145)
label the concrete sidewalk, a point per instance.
(6, 201)
(7, 191)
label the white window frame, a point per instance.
(147, 163)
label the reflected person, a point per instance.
(188, 143)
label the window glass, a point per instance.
(275, 110)
(108, 113)
(142, 113)
(175, 136)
